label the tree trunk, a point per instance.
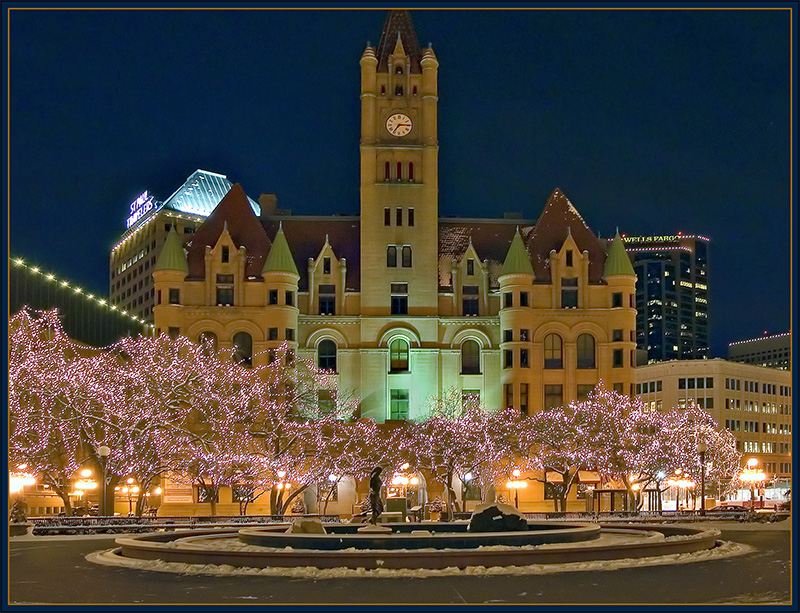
(285, 506)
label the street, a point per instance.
(51, 570)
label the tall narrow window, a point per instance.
(523, 398)
(523, 358)
(398, 408)
(552, 351)
(398, 91)
(508, 388)
(326, 355)
(406, 256)
(224, 290)
(523, 299)
(410, 217)
(398, 355)
(399, 216)
(387, 215)
(327, 299)
(243, 348)
(616, 299)
(470, 358)
(387, 175)
(326, 266)
(273, 296)
(399, 295)
(391, 256)
(470, 299)
(225, 253)
(569, 292)
(411, 173)
(586, 351)
(617, 363)
(569, 257)
(470, 267)
(174, 295)
(399, 173)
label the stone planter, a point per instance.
(20, 529)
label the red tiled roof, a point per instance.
(559, 218)
(490, 238)
(306, 237)
(244, 228)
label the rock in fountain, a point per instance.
(496, 517)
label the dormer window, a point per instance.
(470, 267)
(326, 266)
(225, 254)
(569, 257)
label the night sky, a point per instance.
(653, 121)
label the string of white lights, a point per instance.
(99, 300)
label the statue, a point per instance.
(375, 502)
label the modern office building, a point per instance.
(773, 351)
(401, 303)
(149, 221)
(672, 295)
(753, 402)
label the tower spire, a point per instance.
(399, 28)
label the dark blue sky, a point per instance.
(653, 121)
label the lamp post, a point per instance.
(516, 485)
(701, 449)
(751, 475)
(103, 451)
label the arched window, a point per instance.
(470, 358)
(586, 351)
(406, 257)
(411, 172)
(398, 69)
(553, 351)
(398, 355)
(326, 355)
(386, 172)
(243, 348)
(399, 171)
(391, 256)
(209, 340)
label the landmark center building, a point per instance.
(400, 303)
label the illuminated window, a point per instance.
(586, 353)
(553, 351)
(243, 348)
(470, 358)
(399, 404)
(326, 355)
(398, 355)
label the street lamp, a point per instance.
(701, 449)
(130, 489)
(103, 451)
(516, 485)
(751, 475)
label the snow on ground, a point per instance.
(725, 549)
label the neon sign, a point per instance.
(139, 207)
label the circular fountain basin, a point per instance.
(448, 547)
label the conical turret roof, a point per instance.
(517, 260)
(172, 256)
(280, 257)
(618, 262)
(398, 23)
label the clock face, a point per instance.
(398, 124)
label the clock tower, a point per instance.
(399, 174)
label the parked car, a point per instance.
(728, 508)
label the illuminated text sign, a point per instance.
(667, 238)
(139, 207)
